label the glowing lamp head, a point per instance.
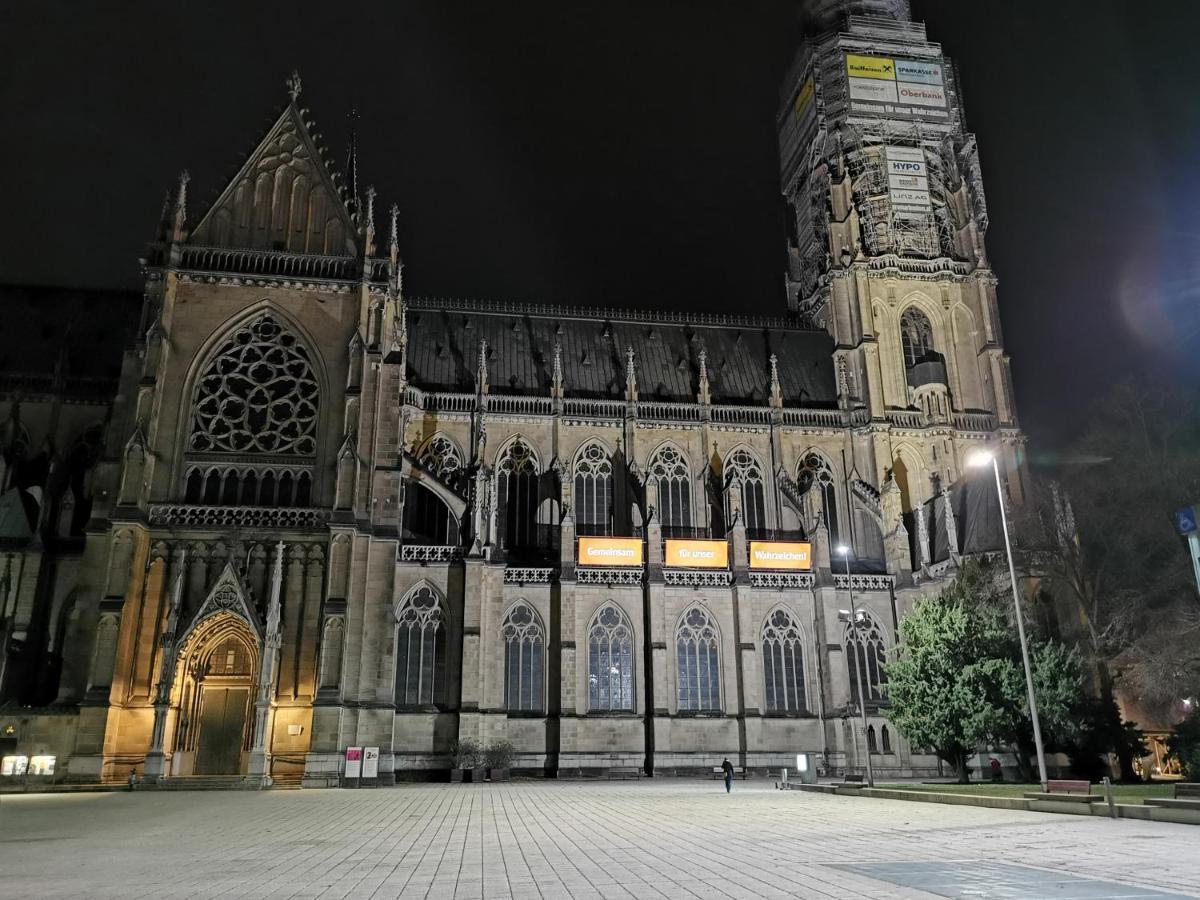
(977, 459)
(842, 550)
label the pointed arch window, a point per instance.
(610, 662)
(517, 496)
(698, 669)
(672, 479)
(872, 741)
(524, 659)
(258, 394)
(420, 650)
(744, 474)
(886, 739)
(916, 337)
(783, 663)
(441, 457)
(593, 490)
(865, 647)
(815, 473)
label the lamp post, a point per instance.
(844, 552)
(976, 460)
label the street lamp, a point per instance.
(844, 552)
(977, 460)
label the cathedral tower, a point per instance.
(886, 251)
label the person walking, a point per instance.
(727, 768)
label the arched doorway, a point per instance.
(216, 678)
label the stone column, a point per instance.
(157, 765)
(260, 762)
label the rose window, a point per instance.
(257, 395)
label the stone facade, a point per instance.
(328, 514)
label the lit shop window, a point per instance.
(41, 765)
(14, 765)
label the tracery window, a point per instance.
(673, 479)
(610, 661)
(815, 472)
(783, 663)
(886, 739)
(441, 457)
(872, 741)
(743, 473)
(420, 650)
(864, 646)
(593, 491)
(916, 337)
(524, 656)
(258, 394)
(698, 670)
(517, 496)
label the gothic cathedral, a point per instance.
(314, 513)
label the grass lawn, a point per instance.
(1123, 793)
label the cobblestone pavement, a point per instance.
(662, 838)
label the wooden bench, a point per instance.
(1187, 796)
(624, 772)
(738, 772)
(853, 780)
(1066, 790)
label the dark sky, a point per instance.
(623, 153)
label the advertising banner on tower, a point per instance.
(908, 181)
(794, 556)
(696, 554)
(605, 551)
(899, 88)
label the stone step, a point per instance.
(207, 783)
(1177, 803)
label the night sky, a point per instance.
(623, 153)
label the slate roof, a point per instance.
(444, 336)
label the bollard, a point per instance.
(1108, 795)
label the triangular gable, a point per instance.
(285, 198)
(227, 595)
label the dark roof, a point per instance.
(94, 326)
(444, 336)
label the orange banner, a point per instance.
(776, 555)
(603, 551)
(696, 554)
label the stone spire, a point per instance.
(703, 396)
(630, 377)
(180, 215)
(776, 391)
(352, 163)
(369, 224)
(481, 377)
(396, 267)
(293, 85)
(556, 384)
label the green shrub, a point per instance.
(467, 754)
(498, 754)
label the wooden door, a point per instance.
(222, 723)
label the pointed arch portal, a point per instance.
(213, 697)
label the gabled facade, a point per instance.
(330, 515)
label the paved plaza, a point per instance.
(661, 838)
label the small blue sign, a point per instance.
(1185, 520)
